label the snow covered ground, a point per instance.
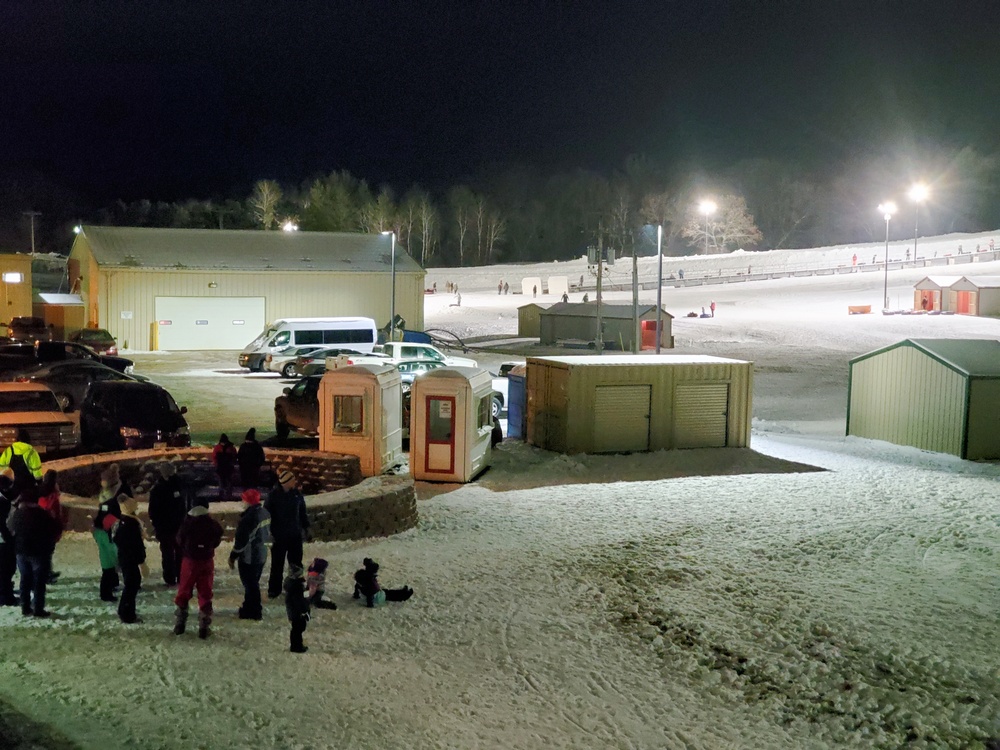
(816, 591)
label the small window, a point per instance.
(281, 339)
(308, 337)
(348, 414)
(485, 420)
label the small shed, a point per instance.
(528, 320)
(360, 414)
(977, 295)
(64, 311)
(451, 424)
(577, 321)
(933, 294)
(15, 273)
(935, 394)
(631, 403)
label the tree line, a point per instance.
(523, 214)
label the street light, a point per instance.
(707, 207)
(918, 194)
(392, 299)
(887, 209)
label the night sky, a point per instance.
(170, 100)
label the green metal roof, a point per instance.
(975, 358)
(244, 250)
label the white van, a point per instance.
(351, 333)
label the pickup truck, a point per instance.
(394, 352)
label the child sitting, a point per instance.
(366, 585)
(316, 584)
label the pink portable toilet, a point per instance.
(361, 414)
(451, 420)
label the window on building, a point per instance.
(485, 412)
(348, 414)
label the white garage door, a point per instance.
(208, 322)
(621, 418)
(701, 415)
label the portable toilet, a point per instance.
(517, 401)
(361, 414)
(451, 421)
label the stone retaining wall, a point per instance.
(340, 505)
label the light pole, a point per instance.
(918, 194)
(888, 209)
(707, 207)
(659, 285)
(392, 298)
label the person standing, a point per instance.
(8, 556)
(35, 533)
(565, 297)
(297, 608)
(108, 513)
(167, 509)
(500, 287)
(48, 500)
(712, 308)
(197, 537)
(224, 457)
(854, 259)
(128, 538)
(253, 532)
(289, 526)
(23, 462)
(251, 458)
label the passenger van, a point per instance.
(358, 334)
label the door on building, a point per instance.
(963, 303)
(621, 418)
(439, 438)
(208, 322)
(701, 415)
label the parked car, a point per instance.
(127, 415)
(54, 351)
(70, 379)
(410, 369)
(98, 339)
(314, 363)
(33, 407)
(29, 329)
(297, 408)
(284, 361)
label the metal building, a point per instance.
(933, 294)
(577, 321)
(528, 320)
(15, 273)
(629, 403)
(936, 394)
(216, 289)
(977, 295)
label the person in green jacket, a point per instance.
(23, 462)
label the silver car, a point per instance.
(284, 361)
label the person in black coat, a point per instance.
(8, 557)
(167, 507)
(35, 533)
(289, 526)
(251, 458)
(297, 608)
(366, 585)
(128, 537)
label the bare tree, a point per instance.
(264, 201)
(461, 201)
(496, 226)
(427, 221)
(379, 215)
(730, 227)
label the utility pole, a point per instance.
(599, 339)
(32, 215)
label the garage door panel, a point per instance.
(621, 418)
(208, 322)
(701, 415)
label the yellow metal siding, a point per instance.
(984, 421)
(905, 397)
(287, 294)
(17, 297)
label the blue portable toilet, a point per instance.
(517, 402)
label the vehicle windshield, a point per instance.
(145, 407)
(264, 335)
(22, 401)
(96, 337)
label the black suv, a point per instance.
(119, 415)
(28, 329)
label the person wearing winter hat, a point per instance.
(366, 585)
(297, 608)
(35, 533)
(198, 537)
(168, 505)
(250, 550)
(316, 584)
(251, 458)
(224, 457)
(108, 513)
(128, 538)
(289, 526)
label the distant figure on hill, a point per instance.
(565, 297)
(586, 297)
(534, 290)
(506, 288)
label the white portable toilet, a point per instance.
(361, 414)
(451, 419)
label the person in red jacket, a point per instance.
(224, 456)
(197, 539)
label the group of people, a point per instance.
(249, 458)
(503, 287)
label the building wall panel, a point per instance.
(983, 443)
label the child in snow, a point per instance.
(297, 608)
(128, 538)
(316, 584)
(366, 585)
(197, 538)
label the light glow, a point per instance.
(919, 192)
(707, 207)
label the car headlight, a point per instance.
(68, 435)
(130, 432)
